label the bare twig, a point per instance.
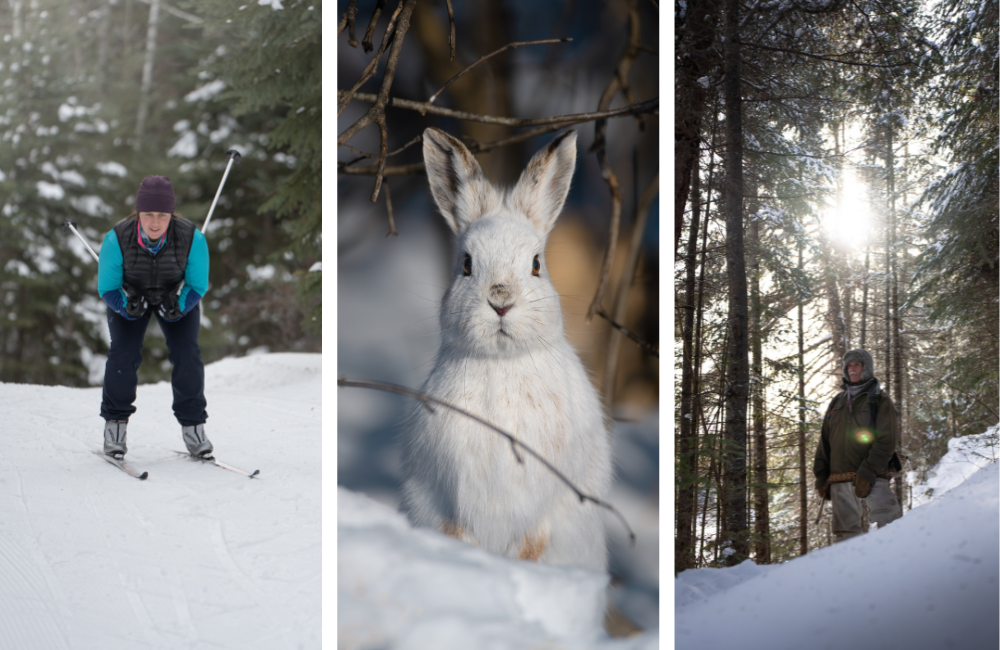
(509, 46)
(344, 98)
(388, 208)
(649, 348)
(424, 397)
(621, 74)
(367, 42)
(621, 296)
(348, 20)
(376, 114)
(451, 34)
(924, 372)
(183, 15)
(362, 155)
(648, 106)
(474, 147)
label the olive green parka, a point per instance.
(848, 445)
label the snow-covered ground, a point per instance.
(927, 581)
(965, 456)
(398, 586)
(194, 556)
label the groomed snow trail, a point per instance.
(930, 580)
(194, 556)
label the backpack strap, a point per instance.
(829, 410)
(873, 409)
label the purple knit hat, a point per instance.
(156, 194)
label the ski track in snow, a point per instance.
(195, 556)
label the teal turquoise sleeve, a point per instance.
(110, 273)
(196, 274)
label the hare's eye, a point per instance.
(467, 265)
(535, 266)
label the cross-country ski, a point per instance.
(211, 460)
(123, 466)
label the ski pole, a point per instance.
(232, 156)
(69, 226)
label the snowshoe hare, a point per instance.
(504, 357)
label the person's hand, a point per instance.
(135, 307)
(824, 492)
(862, 487)
(169, 310)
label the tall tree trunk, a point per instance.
(737, 388)
(686, 479)
(696, 57)
(890, 217)
(864, 302)
(803, 486)
(147, 72)
(762, 524)
(699, 335)
(17, 22)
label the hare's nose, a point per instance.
(500, 294)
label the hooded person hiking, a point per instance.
(856, 455)
(144, 260)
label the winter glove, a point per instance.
(135, 307)
(824, 492)
(169, 310)
(861, 487)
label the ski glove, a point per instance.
(862, 487)
(135, 307)
(169, 310)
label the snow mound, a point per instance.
(701, 584)
(965, 456)
(928, 580)
(400, 587)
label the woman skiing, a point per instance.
(144, 260)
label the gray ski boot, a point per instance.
(196, 442)
(114, 438)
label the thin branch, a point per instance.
(376, 114)
(509, 46)
(827, 58)
(451, 32)
(371, 170)
(923, 372)
(425, 398)
(344, 98)
(367, 42)
(648, 106)
(348, 20)
(183, 15)
(620, 77)
(388, 208)
(649, 348)
(362, 155)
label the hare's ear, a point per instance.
(541, 191)
(458, 185)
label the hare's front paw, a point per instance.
(454, 529)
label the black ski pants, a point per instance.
(121, 371)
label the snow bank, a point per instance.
(401, 587)
(928, 580)
(965, 456)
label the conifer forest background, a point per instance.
(97, 94)
(836, 188)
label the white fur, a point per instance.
(516, 371)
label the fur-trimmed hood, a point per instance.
(867, 363)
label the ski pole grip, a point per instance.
(67, 225)
(234, 154)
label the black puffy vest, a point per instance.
(153, 276)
